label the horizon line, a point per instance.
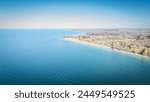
(70, 28)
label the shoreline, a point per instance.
(105, 47)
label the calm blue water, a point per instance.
(42, 57)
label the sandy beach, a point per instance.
(100, 46)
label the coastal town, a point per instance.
(135, 41)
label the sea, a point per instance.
(42, 57)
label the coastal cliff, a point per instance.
(134, 41)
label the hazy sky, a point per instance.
(75, 13)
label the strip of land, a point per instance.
(133, 41)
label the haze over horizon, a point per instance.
(74, 14)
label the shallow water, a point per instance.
(43, 57)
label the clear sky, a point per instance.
(75, 13)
